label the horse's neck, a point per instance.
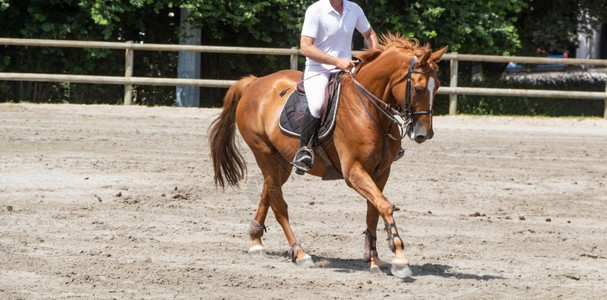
(375, 77)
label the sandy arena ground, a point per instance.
(101, 202)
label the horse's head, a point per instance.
(415, 90)
(412, 82)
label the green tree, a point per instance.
(505, 27)
(476, 26)
(553, 26)
(274, 23)
(84, 20)
(262, 23)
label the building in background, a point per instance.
(593, 45)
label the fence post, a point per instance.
(294, 59)
(453, 83)
(128, 72)
(188, 63)
(605, 104)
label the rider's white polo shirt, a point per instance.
(331, 31)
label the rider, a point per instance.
(326, 41)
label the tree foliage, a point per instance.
(553, 26)
(505, 27)
(93, 20)
(475, 26)
(273, 23)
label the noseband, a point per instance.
(387, 110)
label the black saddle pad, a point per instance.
(296, 107)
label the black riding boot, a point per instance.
(304, 158)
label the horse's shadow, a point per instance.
(445, 272)
(440, 270)
(358, 265)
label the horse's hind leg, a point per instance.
(257, 227)
(280, 209)
(276, 171)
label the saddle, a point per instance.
(296, 107)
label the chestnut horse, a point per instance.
(396, 80)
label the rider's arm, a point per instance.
(371, 39)
(312, 52)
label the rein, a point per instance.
(387, 110)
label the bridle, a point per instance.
(406, 113)
(407, 77)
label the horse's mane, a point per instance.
(395, 40)
(389, 40)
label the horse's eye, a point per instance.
(418, 90)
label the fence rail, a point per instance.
(214, 83)
(128, 80)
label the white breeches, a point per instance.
(315, 89)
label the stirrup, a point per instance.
(301, 168)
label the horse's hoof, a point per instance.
(401, 271)
(382, 268)
(306, 261)
(257, 251)
(376, 270)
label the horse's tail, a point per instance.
(228, 162)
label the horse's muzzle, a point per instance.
(420, 138)
(420, 132)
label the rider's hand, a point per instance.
(345, 64)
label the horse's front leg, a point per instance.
(357, 178)
(370, 251)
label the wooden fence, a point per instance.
(128, 80)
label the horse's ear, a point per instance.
(438, 55)
(424, 59)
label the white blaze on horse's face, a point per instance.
(421, 132)
(431, 100)
(431, 90)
